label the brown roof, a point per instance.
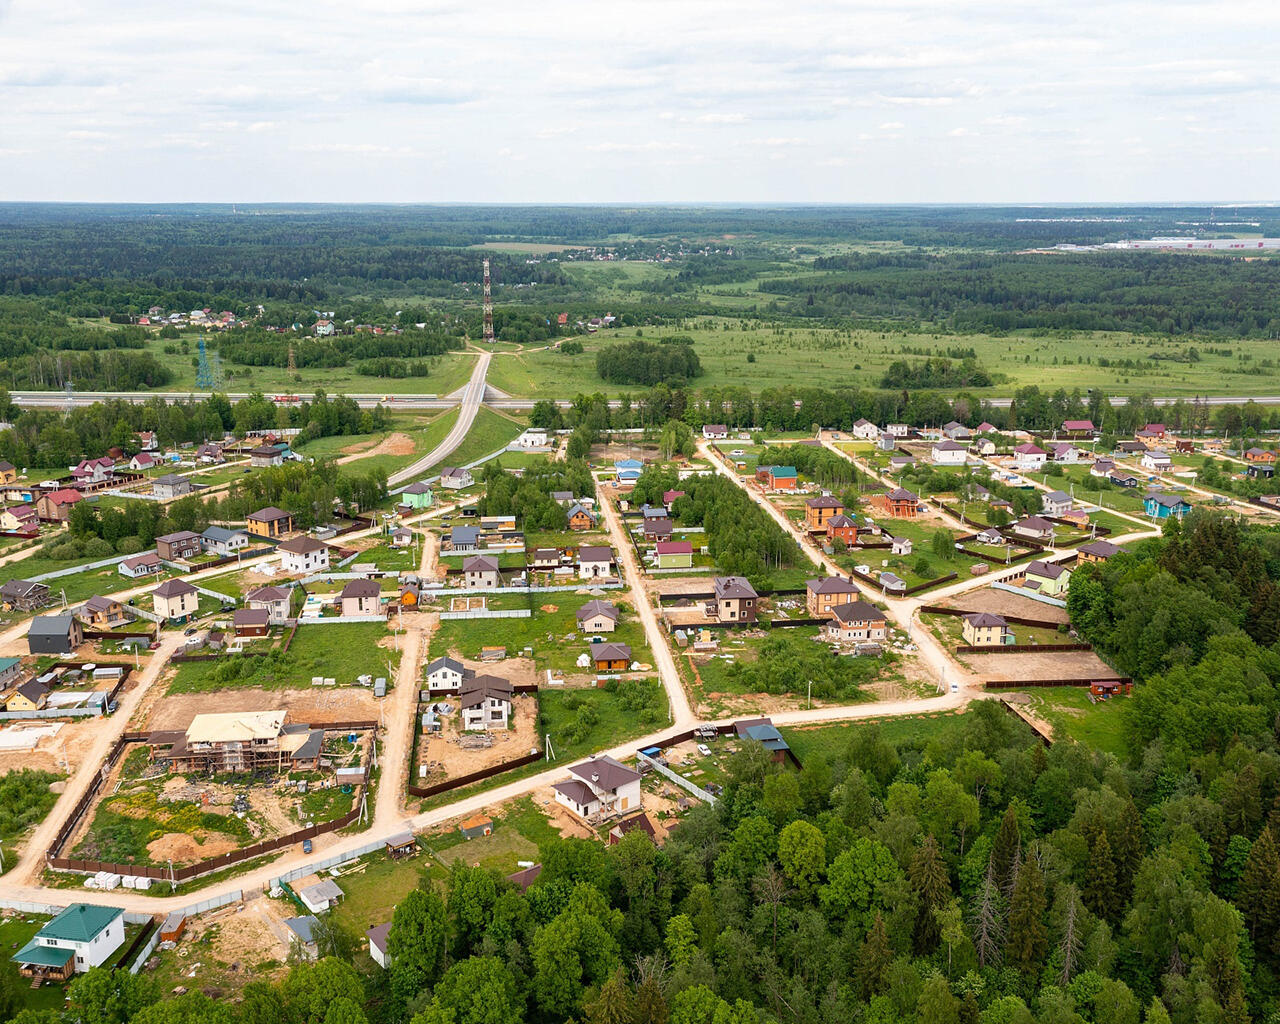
(858, 611)
(610, 652)
(732, 587)
(831, 585)
(173, 588)
(479, 688)
(985, 619)
(825, 501)
(300, 545)
(270, 514)
(268, 595)
(361, 588)
(480, 563)
(605, 772)
(251, 617)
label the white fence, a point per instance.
(679, 780)
(1023, 592)
(114, 560)
(338, 620)
(488, 613)
(217, 595)
(13, 716)
(316, 866)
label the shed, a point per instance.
(476, 826)
(174, 925)
(403, 845)
(321, 896)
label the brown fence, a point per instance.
(929, 583)
(119, 634)
(1017, 620)
(1023, 649)
(1017, 684)
(215, 563)
(484, 773)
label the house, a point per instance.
(990, 536)
(674, 554)
(818, 510)
(610, 657)
(240, 741)
(175, 546)
(361, 597)
(781, 478)
(532, 437)
(1102, 468)
(464, 538)
(54, 634)
(145, 564)
(417, 495)
(1097, 551)
(598, 617)
(377, 936)
(324, 895)
(956, 431)
(898, 430)
(485, 703)
(82, 937)
(303, 555)
(1260, 471)
(171, 485)
(304, 935)
(843, 529)
(30, 696)
(658, 528)
(983, 446)
(453, 478)
(221, 541)
(1048, 578)
(601, 787)
(628, 470)
(93, 471)
(886, 442)
(8, 472)
(821, 595)
(763, 731)
(476, 827)
(1027, 457)
(901, 545)
(445, 675)
(1034, 528)
(669, 497)
(251, 622)
(1157, 461)
(20, 519)
(142, 462)
(562, 498)
(265, 456)
(103, 612)
(545, 559)
(594, 563)
(865, 430)
(899, 462)
(325, 329)
(1152, 430)
(269, 522)
(24, 595)
(949, 453)
(1131, 447)
(1122, 479)
(985, 629)
(580, 518)
(1104, 689)
(734, 601)
(401, 537)
(175, 600)
(274, 600)
(1259, 455)
(210, 453)
(10, 670)
(1078, 428)
(1159, 505)
(986, 427)
(636, 823)
(899, 503)
(715, 431)
(55, 506)
(481, 572)
(857, 622)
(1055, 503)
(1067, 454)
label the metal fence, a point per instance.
(679, 780)
(1042, 598)
(73, 570)
(488, 613)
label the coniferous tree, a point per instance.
(1259, 892)
(870, 970)
(1005, 849)
(1028, 936)
(928, 876)
(1099, 890)
(987, 920)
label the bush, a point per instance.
(98, 548)
(64, 551)
(571, 348)
(128, 546)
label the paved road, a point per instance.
(471, 399)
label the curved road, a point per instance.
(471, 399)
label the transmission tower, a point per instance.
(71, 395)
(293, 361)
(488, 306)
(204, 373)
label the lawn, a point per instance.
(15, 933)
(581, 721)
(25, 799)
(425, 439)
(1099, 726)
(831, 741)
(389, 559)
(489, 432)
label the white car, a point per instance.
(736, 452)
(704, 750)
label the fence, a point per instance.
(13, 716)
(73, 570)
(1018, 684)
(484, 773)
(679, 780)
(1017, 620)
(152, 932)
(1042, 598)
(147, 950)
(315, 866)
(215, 594)
(107, 634)
(488, 613)
(1023, 649)
(337, 620)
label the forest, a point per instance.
(671, 360)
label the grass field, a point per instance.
(1100, 726)
(15, 933)
(490, 431)
(831, 740)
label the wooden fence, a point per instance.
(1018, 684)
(479, 776)
(1023, 648)
(1018, 620)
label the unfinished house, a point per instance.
(240, 741)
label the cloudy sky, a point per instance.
(649, 101)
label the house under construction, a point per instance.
(240, 741)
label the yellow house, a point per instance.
(8, 473)
(1048, 578)
(30, 696)
(984, 629)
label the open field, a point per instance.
(1068, 709)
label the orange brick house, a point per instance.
(818, 510)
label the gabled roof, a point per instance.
(1029, 449)
(169, 479)
(418, 487)
(783, 471)
(841, 521)
(1100, 549)
(831, 585)
(480, 563)
(146, 558)
(902, 494)
(1077, 424)
(269, 595)
(98, 603)
(173, 588)
(577, 508)
(1058, 496)
(477, 689)
(220, 534)
(1166, 500)
(464, 535)
(34, 691)
(1035, 523)
(595, 554)
(174, 538)
(858, 611)
(361, 588)
(674, 547)
(22, 588)
(51, 625)
(303, 927)
(251, 617)
(300, 545)
(948, 446)
(604, 772)
(80, 922)
(611, 652)
(593, 608)
(64, 496)
(445, 662)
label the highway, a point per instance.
(471, 399)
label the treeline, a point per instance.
(741, 537)
(111, 370)
(821, 465)
(528, 497)
(936, 373)
(1143, 292)
(254, 347)
(389, 366)
(644, 362)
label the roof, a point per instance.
(300, 545)
(593, 608)
(1035, 523)
(401, 839)
(480, 563)
(98, 603)
(34, 691)
(173, 588)
(611, 652)
(1045, 570)
(51, 625)
(229, 726)
(1165, 500)
(326, 889)
(675, 547)
(1100, 549)
(170, 479)
(445, 663)
(453, 471)
(984, 619)
(269, 595)
(825, 501)
(464, 534)
(831, 585)
(902, 494)
(251, 617)
(64, 496)
(361, 588)
(173, 538)
(417, 487)
(146, 558)
(22, 588)
(858, 611)
(733, 587)
(1058, 496)
(270, 514)
(948, 446)
(303, 927)
(841, 521)
(782, 470)
(1077, 424)
(37, 955)
(1029, 449)
(767, 735)
(577, 508)
(480, 688)
(266, 451)
(8, 663)
(579, 792)
(605, 772)
(377, 936)
(595, 554)
(80, 922)
(477, 821)
(220, 534)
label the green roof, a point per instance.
(8, 663)
(43, 956)
(80, 922)
(784, 470)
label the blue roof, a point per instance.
(766, 735)
(628, 464)
(783, 470)
(303, 927)
(80, 922)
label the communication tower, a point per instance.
(204, 373)
(488, 306)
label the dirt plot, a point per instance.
(393, 444)
(316, 705)
(1001, 602)
(72, 742)
(227, 949)
(672, 586)
(448, 757)
(1082, 665)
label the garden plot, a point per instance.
(1001, 602)
(452, 753)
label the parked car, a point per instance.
(306, 846)
(704, 750)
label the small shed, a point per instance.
(403, 845)
(321, 896)
(174, 925)
(477, 826)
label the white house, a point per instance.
(303, 555)
(601, 786)
(377, 936)
(145, 564)
(482, 572)
(534, 437)
(1157, 461)
(1066, 454)
(175, 600)
(222, 541)
(454, 479)
(82, 937)
(485, 703)
(949, 453)
(1028, 458)
(715, 431)
(594, 562)
(865, 430)
(274, 600)
(1055, 503)
(898, 429)
(445, 675)
(143, 461)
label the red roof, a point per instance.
(65, 496)
(675, 547)
(1077, 425)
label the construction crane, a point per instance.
(488, 306)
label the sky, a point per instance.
(554, 101)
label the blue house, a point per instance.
(1163, 506)
(628, 469)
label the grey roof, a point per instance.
(577, 507)
(418, 487)
(34, 691)
(605, 772)
(51, 625)
(22, 588)
(831, 585)
(377, 936)
(593, 608)
(858, 611)
(220, 534)
(985, 619)
(1165, 500)
(595, 554)
(325, 889)
(767, 735)
(170, 479)
(445, 662)
(464, 535)
(480, 563)
(173, 538)
(269, 514)
(1046, 570)
(1058, 496)
(303, 927)
(733, 587)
